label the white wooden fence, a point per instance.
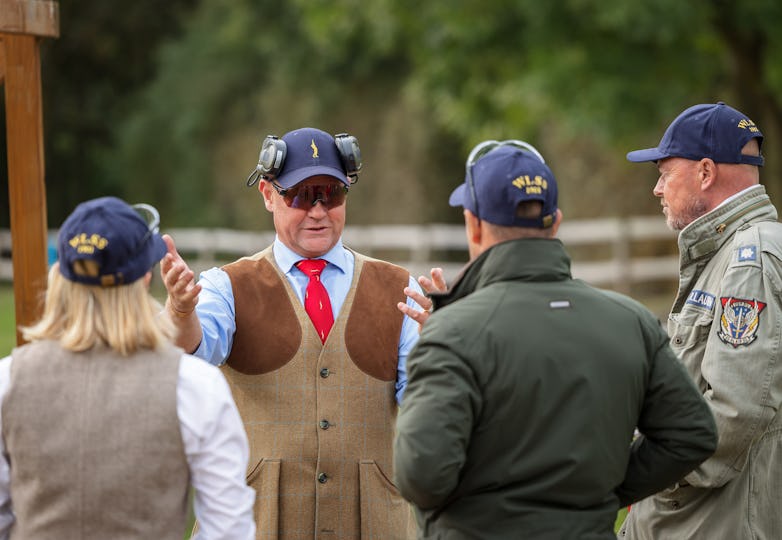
(420, 247)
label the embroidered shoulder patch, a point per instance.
(747, 253)
(740, 320)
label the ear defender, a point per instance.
(270, 160)
(274, 150)
(349, 154)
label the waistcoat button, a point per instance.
(324, 424)
(322, 478)
(324, 372)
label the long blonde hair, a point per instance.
(125, 318)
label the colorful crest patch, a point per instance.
(740, 320)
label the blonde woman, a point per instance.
(105, 424)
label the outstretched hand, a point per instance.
(434, 285)
(179, 281)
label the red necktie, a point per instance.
(316, 297)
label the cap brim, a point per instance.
(458, 195)
(294, 177)
(648, 154)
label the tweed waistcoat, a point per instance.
(319, 417)
(94, 444)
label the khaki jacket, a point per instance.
(726, 327)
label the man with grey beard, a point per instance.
(725, 326)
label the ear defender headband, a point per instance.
(481, 149)
(273, 152)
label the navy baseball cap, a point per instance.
(714, 130)
(310, 152)
(107, 242)
(503, 177)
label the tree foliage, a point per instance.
(169, 102)
(88, 76)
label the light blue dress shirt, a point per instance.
(218, 319)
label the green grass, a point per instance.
(7, 319)
(620, 517)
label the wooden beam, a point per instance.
(2, 60)
(33, 17)
(27, 193)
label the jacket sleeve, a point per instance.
(217, 452)
(677, 429)
(741, 367)
(436, 418)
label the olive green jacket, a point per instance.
(726, 326)
(523, 395)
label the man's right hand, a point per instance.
(179, 281)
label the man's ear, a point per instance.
(266, 190)
(472, 227)
(707, 173)
(557, 222)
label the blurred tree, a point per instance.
(135, 107)
(612, 72)
(104, 53)
(269, 68)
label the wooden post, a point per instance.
(21, 24)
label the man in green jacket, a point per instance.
(526, 385)
(725, 326)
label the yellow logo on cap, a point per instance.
(314, 149)
(746, 123)
(531, 185)
(88, 243)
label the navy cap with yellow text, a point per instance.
(106, 242)
(714, 130)
(504, 177)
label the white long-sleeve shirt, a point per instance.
(215, 445)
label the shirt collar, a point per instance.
(286, 258)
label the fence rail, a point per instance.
(419, 247)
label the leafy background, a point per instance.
(168, 103)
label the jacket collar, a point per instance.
(526, 259)
(708, 233)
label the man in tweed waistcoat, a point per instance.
(313, 346)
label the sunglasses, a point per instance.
(151, 217)
(484, 148)
(305, 196)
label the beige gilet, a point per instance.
(94, 443)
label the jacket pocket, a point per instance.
(384, 513)
(688, 327)
(264, 478)
(689, 331)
